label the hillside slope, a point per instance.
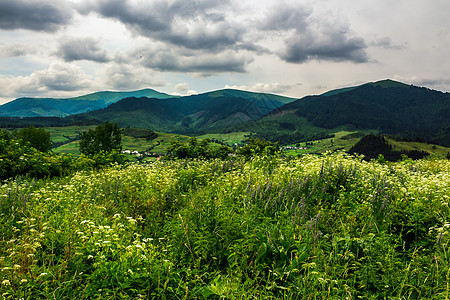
(386, 106)
(206, 112)
(53, 107)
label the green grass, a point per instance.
(60, 134)
(157, 145)
(430, 148)
(315, 227)
(228, 138)
(343, 140)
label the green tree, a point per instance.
(255, 146)
(197, 149)
(37, 137)
(105, 137)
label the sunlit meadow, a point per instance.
(315, 227)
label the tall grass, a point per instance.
(328, 227)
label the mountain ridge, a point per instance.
(385, 106)
(60, 107)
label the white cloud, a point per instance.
(15, 50)
(128, 77)
(183, 89)
(272, 88)
(58, 77)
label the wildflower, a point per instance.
(6, 282)
(24, 281)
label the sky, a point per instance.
(57, 48)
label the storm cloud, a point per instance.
(34, 15)
(337, 47)
(189, 24)
(72, 49)
(311, 38)
(55, 47)
(178, 59)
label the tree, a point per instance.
(37, 137)
(255, 146)
(197, 149)
(105, 137)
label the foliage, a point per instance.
(140, 133)
(204, 149)
(37, 137)
(372, 146)
(255, 146)
(19, 159)
(105, 137)
(392, 108)
(195, 149)
(315, 227)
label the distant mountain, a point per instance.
(54, 107)
(387, 83)
(386, 106)
(191, 114)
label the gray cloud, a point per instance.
(126, 77)
(15, 50)
(190, 24)
(208, 28)
(33, 15)
(72, 49)
(308, 38)
(385, 42)
(285, 17)
(181, 60)
(334, 47)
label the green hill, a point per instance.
(387, 106)
(208, 112)
(53, 107)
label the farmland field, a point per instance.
(315, 227)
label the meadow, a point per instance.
(315, 227)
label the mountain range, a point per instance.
(55, 107)
(386, 106)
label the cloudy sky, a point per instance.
(57, 48)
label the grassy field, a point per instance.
(158, 145)
(430, 148)
(229, 138)
(314, 227)
(343, 140)
(60, 134)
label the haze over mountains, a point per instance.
(386, 106)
